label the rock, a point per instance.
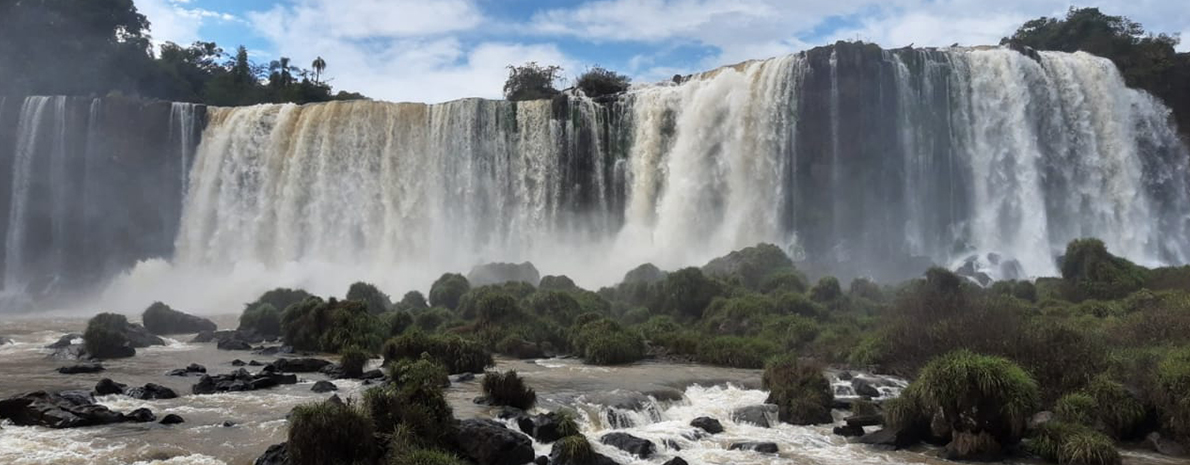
(755, 414)
(82, 368)
(66, 409)
(845, 376)
(488, 442)
(141, 415)
(255, 363)
(865, 420)
(172, 419)
(5, 340)
(194, 368)
(65, 341)
(762, 447)
(462, 378)
(639, 447)
(161, 319)
(522, 350)
(500, 273)
(848, 431)
(151, 391)
(203, 337)
(139, 337)
(237, 363)
(541, 460)
(273, 350)
(1165, 446)
(106, 387)
(324, 386)
(864, 388)
(707, 424)
(1040, 418)
(594, 459)
(240, 380)
(671, 445)
(228, 424)
(233, 344)
(298, 365)
(897, 438)
(277, 454)
(372, 375)
(78, 352)
(968, 447)
(245, 336)
(676, 461)
(542, 427)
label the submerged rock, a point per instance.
(65, 341)
(676, 461)
(141, 415)
(864, 388)
(755, 414)
(324, 386)
(639, 447)
(160, 319)
(490, 443)
(848, 431)
(233, 344)
(240, 380)
(107, 387)
(542, 427)
(297, 365)
(762, 447)
(707, 424)
(865, 420)
(66, 409)
(556, 458)
(897, 438)
(172, 419)
(277, 454)
(151, 391)
(82, 368)
(194, 368)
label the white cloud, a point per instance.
(172, 21)
(360, 19)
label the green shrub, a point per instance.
(870, 351)
(531, 82)
(448, 289)
(263, 319)
(280, 298)
(1068, 443)
(456, 354)
(1100, 309)
(799, 389)
(413, 407)
(1173, 385)
(1120, 411)
(791, 281)
(602, 341)
(1077, 408)
(791, 332)
(330, 433)
(750, 266)
(788, 303)
(601, 82)
(395, 322)
(733, 351)
(1093, 273)
(865, 288)
(377, 302)
(557, 306)
(433, 319)
(685, 293)
(827, 290)
(345, 324)
(488, 305)
(557, 283)
(509, 389)
(352, 359)
(573, 449)
(737, 316)
(418, 456)
(412, 302)
(104, 336)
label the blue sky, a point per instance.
(438, 50)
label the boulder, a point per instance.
(66, 409)
(675, 461)
(65, 341)
(237, 363)
(1040, 418)
(968, 447)
(139, 337)
(500, 273)
(162, 320)
(639, 447)
(106, 387)
(762, 447)
(141, 415)
(864, 388)
(246, 336)
(172, 419)
(194, 368)
(848, 431)
(707, 424)
(897, 438)
(298, 365)
(277, 454)
(273, 350)
(241, 380)
(542, 427)
(488, 442)
(233, 344)
(865, 420)
(595, 458)
(1165, 446)
(755, 414)
(464, 377)
(82, 368)
(324, 386)
(151, 391)
(5, 340)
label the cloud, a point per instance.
(361, 19)
(172, 21)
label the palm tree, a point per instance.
(319, 66)
(280, 69)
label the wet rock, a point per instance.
(666, 394)
(671, 445)
(968, 447)
(897, 438)
(762, 447)
(139, 337)
(372, 375)
(277, 454)
(141, 415)
(845, 376)
(172, 419)
(848, 431)
(82, 368)
(542, 427)
(707, 424)
(255, 363)
(499, 273)
(488, 442)
(106, 387)
(161, 319)
(1165, 446)
(245, 336)
(228, 424)
(241, 380)
(78, 352)
(462, 378)
(639, 447)
(5, 340)
(298, 365)
(151, 391)
(675, 461)
(324, 386)
(865, 420)
(233, 344)
(65, 341)
(193, 368)
(556, 458)
(541, 460)
(237, 363)
(1040, 418)
(755, 414)
(203, 337)
(66, 409)
(273, 350)
(864, 388)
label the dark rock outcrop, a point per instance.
(277, 454)
(241, 380)
(557, 458)
(489, 443)
(66, 409)
(82, 368)
(233, 344)
(865, 420)
(863, 388)
(755, 414)
(707, 424)
(106, 387)
(324, 386)
(193, 368)
(151, 391)
(172, 419)
(542, 427)
(676, 461)
(141, 415)
(762, 447)
(499, 273)
(64, 341)
(848, 431)
(1165, 446)
(161, 319)
(297, 365)
(639, 447)
(897, 438)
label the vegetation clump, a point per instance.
(456, 354)
(531, 81)
(602, 341)
(507, 388)
(799, 389)
(376, 301)
(448, 289)
(330, 326)
(601, 82)
(263, 319)
(330, 432)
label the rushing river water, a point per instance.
(664, 398)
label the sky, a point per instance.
(440, 50)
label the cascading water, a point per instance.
(857, 160)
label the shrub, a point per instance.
(557, 306)
(686, 293)
(1068, 443)
(448, 289)
(1093, 273)
(791, 332)
(797, 304)
(433, 319)
(827, 290)
(396, 322)
(1100, 309)
(263, 319)
(573, 449)
(976, 393)
(488, 305)
(617, 348)
(352, 360)
(600, 82)
(412, 302)
(1173, 384)
(329, 326)
(159, 318)
(413, 408)
(377, 302)
(751, 265)
(280, 298)
(531, 82)
(863, 287)
(647, 273)
(732, 351)
(456, 354)
(737, 316)
(330, 433)
(105, 338)
(1077, 408)
(509, 389)
(418, 456)
(557, 283)
(800, 391)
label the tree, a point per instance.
(319, 66)
(531, 82)
(600, 82)
(281, 73)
